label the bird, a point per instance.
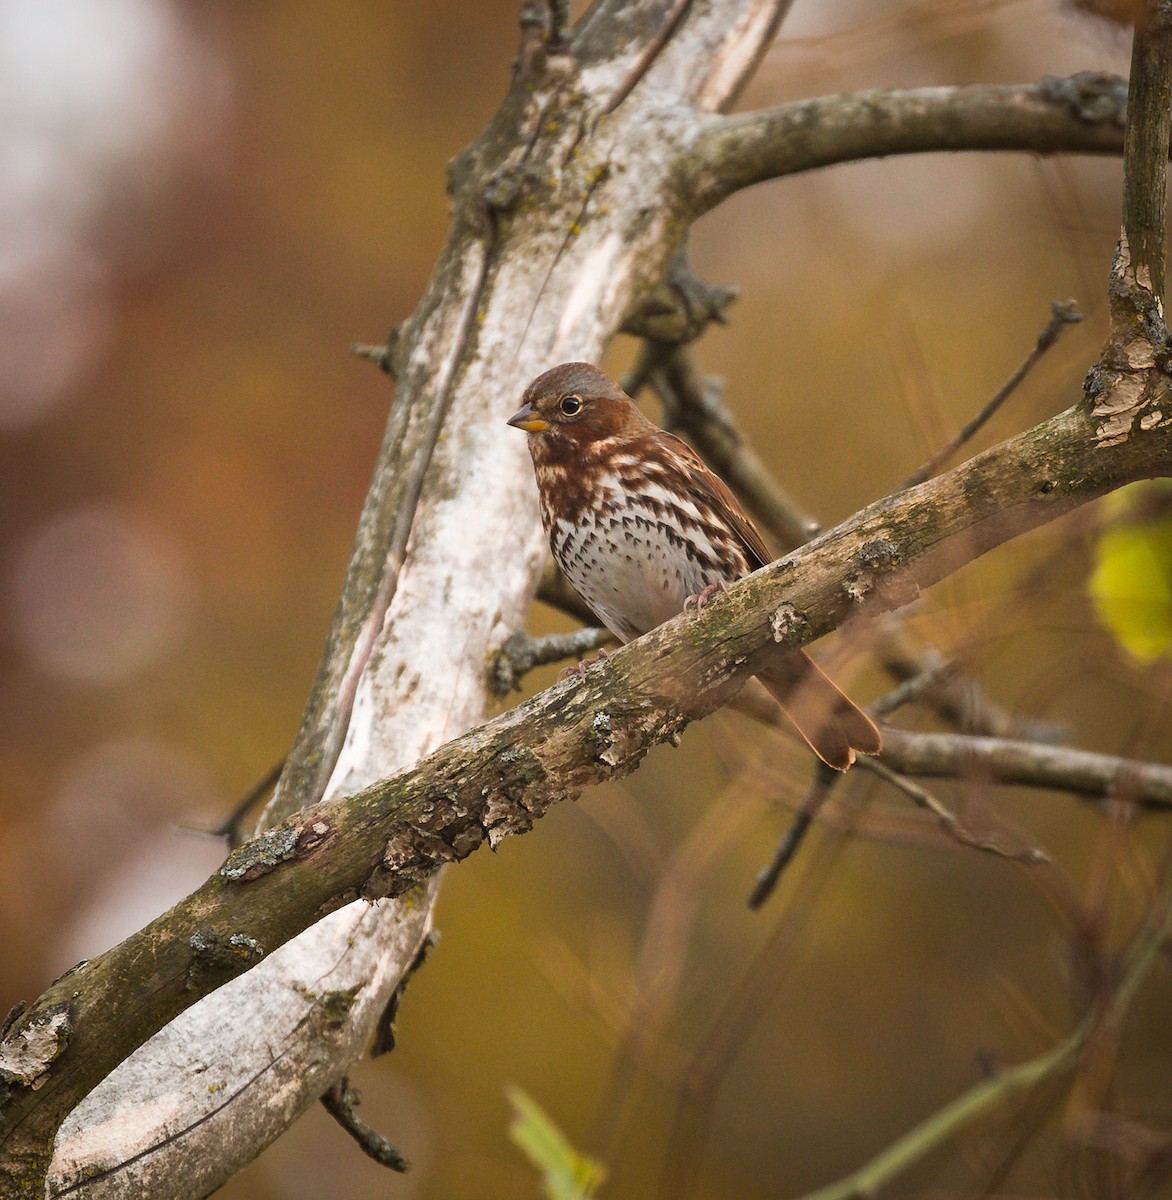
(643, 530)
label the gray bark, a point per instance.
(561, 221)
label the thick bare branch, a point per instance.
(1081, 115)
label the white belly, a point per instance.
(630, 566)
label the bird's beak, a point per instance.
(526, 418)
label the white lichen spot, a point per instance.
(858, 585)
(784, 621)
(27, 1055)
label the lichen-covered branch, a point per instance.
(550, 244)
(541, 263)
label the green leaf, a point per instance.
(566, 1173)
(1131, 585)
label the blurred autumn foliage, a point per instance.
(203, 205)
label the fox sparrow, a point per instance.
(641, 527)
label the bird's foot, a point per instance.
(705, 595)
(579, 668)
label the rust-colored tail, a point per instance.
(830, 722)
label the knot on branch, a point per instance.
(32, 1043)
(507, 186)
(385, 357)
(878, 581)
(544, 28)
(1091, 96)
(786, 622)
(681, 307)
(293, 839)
(213, 956)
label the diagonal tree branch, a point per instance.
(1007, 1085)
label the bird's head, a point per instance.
(575, 405)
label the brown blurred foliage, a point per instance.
(186, 444)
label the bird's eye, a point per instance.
(570, 405)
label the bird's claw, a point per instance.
(704, 595)
(579, 668)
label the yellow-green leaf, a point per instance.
(566, 1173)
(1131, 584)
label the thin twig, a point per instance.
(916, 687)
(230, 826)
(955, 697)
(341, 1102)
(924, 799)
(385, 357)
(769, 876)
(1062, 314)
(521, 653)
(1032, 764)
(1003, 1087)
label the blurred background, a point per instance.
(201, 206)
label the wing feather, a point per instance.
(718, 495)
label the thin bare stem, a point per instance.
(1005, 1086)
(341, 1102)
(1062, 315)
(1032, 764)
(770, 875)
(230, 826)
(949, 821)
(521, 654)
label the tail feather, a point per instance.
(830, 723)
